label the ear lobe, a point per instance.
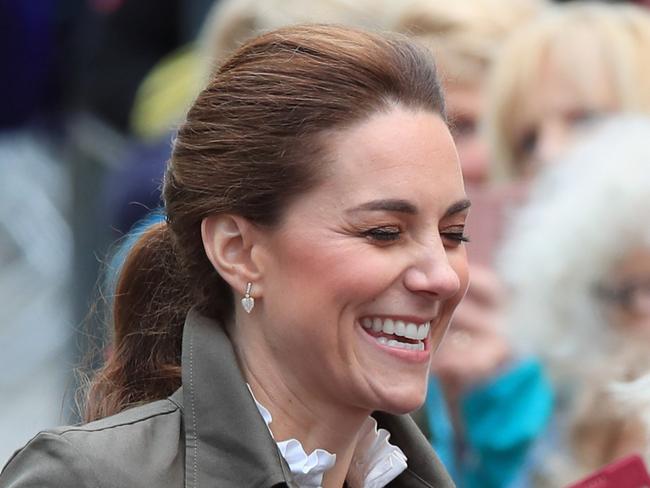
(228, 242)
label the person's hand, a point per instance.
(474, 348)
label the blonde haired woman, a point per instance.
(573, 64)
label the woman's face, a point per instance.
(362, 276)
(560, 108)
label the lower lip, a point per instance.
(406, 355)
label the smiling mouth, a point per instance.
(397, 333)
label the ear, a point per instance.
(229, 241)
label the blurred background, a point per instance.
(92, 91)
(75, 176)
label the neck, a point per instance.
(299, 414)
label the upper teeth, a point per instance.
(397, 327)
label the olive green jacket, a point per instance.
(208, 434)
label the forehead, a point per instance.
(395, 152)
(574, 76)
(589, 81)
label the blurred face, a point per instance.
(362, 275)
(464, 108)
(558, 110)
(626, 293)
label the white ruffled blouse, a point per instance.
(375, 462)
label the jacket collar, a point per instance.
(227, 443)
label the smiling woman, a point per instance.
(316, 182)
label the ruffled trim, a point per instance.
(375, 463)
(307, 470)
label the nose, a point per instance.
(553, 138)
(432, 273)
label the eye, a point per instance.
(527, 142)
(463, 126)
(455, 236)
(383, 234)
(583, 117)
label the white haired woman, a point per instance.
(578, 264)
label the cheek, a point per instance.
(337, 271)
(627, 322)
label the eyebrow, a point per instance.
(404, 206)
(458, 207)
(389, 205)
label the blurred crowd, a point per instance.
(542, 377)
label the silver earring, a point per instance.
(248, 302)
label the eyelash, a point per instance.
(388, 234)
(456, 236)
(383, 234)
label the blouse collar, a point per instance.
(375, 462)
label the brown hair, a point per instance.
(251, 141)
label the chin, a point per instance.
(400, 400)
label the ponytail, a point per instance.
(150, 301)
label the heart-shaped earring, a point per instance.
(248, 302)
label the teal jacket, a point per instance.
(503, 418)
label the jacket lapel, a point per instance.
(424, 468)
(227, 443)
